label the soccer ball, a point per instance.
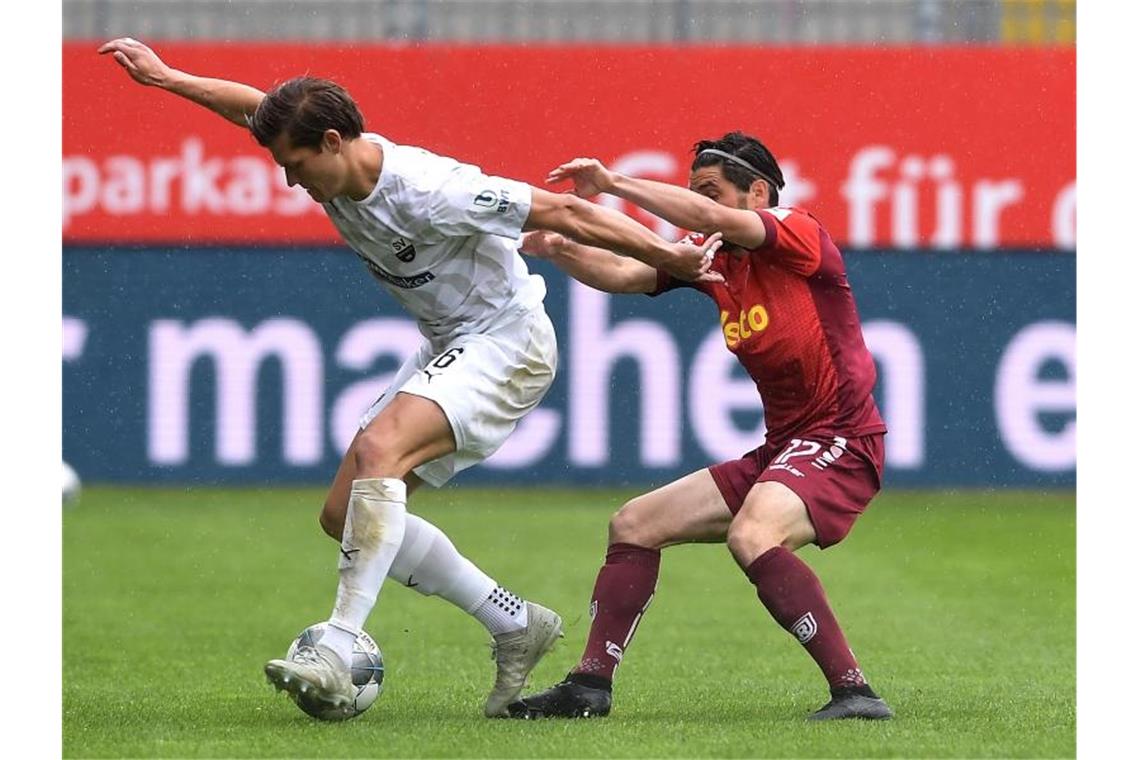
(367, 674)
(71, 485)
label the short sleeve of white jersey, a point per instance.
(469, 202)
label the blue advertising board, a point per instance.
(247, 365)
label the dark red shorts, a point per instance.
(835, 477)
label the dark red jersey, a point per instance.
(787, 313)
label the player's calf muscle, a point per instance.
(331, 519)
(335, 507)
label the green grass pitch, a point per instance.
(960, 607)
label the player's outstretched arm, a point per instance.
(601, 227)
(600, 269)
(679, 205)
(231, 100)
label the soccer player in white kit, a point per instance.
(442, 237)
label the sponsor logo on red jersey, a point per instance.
(741, 328)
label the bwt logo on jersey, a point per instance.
(500, 201)
(404, 250)
(755, 320)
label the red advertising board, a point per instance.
(901, 147)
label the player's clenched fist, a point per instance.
(589, 175)
(142, 63)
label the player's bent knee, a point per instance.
(749, 538)
(368, 449)
(373, 453)
(627, 526)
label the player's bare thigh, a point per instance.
(687, 510)
(408, 432)
(772, 515)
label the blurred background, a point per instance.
(781, 22)
(217, 332)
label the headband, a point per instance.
(741, 162)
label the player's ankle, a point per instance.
(591, 680)
(339, 641)
(864, 690)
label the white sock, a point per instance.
(341, 641)
(429, 563)
(373, 533)
(502, 612)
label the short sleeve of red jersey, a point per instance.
(665, 283)
(791, 240)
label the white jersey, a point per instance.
(442, 237)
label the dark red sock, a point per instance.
(793, 595)
(622, 592)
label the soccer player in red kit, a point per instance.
(787, 313)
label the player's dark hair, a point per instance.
(758, 162)
(303, 108)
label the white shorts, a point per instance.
(483, 382)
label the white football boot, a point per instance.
(516, 653)
(315, 674)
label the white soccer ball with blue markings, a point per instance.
(367, 674)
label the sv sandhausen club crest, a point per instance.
(405, 251)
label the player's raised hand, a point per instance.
(692, 261)
(142, 63)
(589, 175)
(542, 244)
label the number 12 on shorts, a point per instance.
(798, 447)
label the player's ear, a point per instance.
(332, 141)
(759, 192)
